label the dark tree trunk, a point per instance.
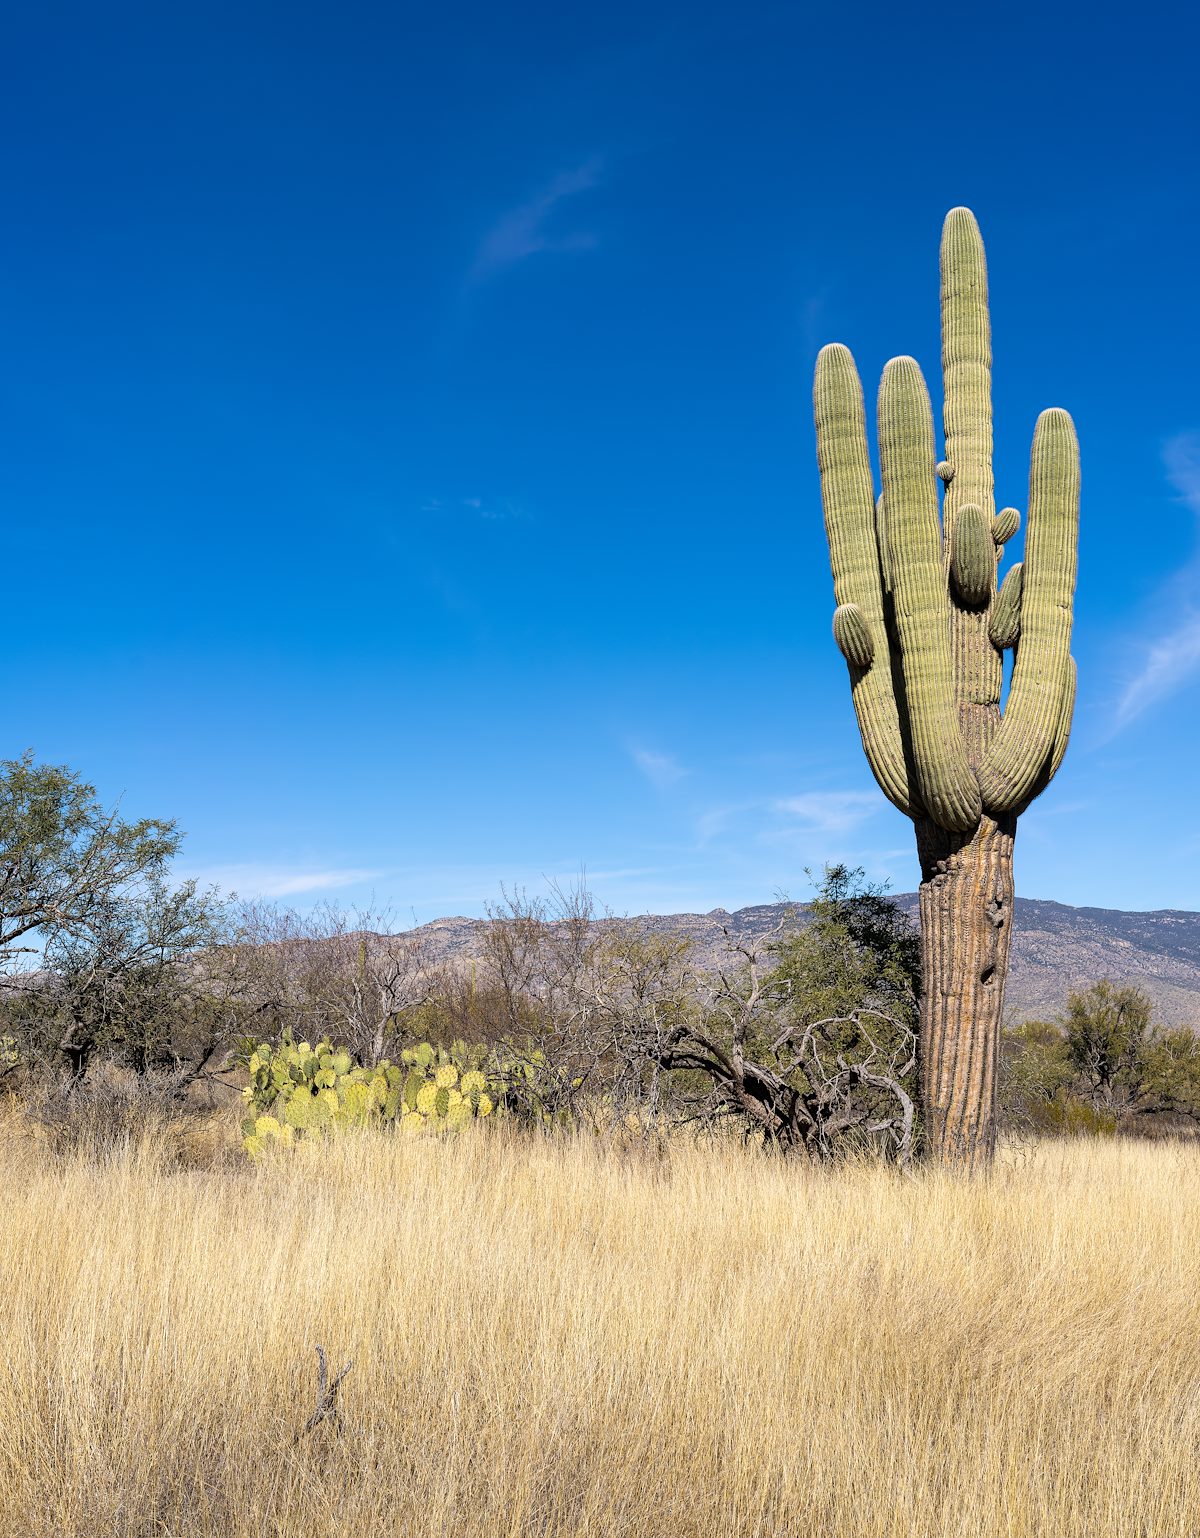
(966, 929)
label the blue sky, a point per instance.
(407, 445)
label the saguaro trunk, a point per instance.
(966, 930)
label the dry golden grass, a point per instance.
(555, 1338)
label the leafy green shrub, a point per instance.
(1103, 1066)
(1036, 1071)
(1073, 1116)
(1172, 1070)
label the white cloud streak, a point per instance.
(281, 881)
(661, 769)
(830, 811)
(521, 232)
(1173, 659)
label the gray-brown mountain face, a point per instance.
(1055, 948)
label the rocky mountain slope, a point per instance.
(1055, 948)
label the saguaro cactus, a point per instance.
(923, 630)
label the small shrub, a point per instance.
(1072, 1116)
(112, 1110)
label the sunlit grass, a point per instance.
(565, 1338)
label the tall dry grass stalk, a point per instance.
(552, 1338)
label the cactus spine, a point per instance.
(923, 630)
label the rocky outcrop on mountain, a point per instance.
(1055, 948)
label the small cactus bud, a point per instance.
(945, 471)
(853, 635)
(972, 556)
(1007, 522)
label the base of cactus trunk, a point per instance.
(966, 932)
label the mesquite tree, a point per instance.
(924, 627)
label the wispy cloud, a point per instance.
(1170, 663)
(1171, 660)
(714, 820)
(280, 881)
(829, 811)
(522, 232)
(661, 769)
(782, 819)
(493, 510)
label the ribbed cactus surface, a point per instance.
(923, 626)
(919, 620)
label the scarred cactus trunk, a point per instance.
(966, 930)
(924, 634)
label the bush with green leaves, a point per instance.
(297, 1089)
(848, 985)
(1102, 1065)
(805, 1040)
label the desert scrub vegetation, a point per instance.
(564, 1335)
(1103, 1066)
(805, 1036)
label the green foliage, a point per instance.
(856, 965)
(1035, 1082)
(1108, 1034)
(1037, 1066)
(1102, 1065)
(296, 1088)
(1073, 1116)
(124, 983)
(539, 1089)
(818, 1052)
(61, 852)
(859, 950)
(1171, 1070)
(75, 882)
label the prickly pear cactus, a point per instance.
(10, 1055)
(296, 1089)
(924, 629)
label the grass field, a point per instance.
(553, 1338)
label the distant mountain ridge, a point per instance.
(1055, 948)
